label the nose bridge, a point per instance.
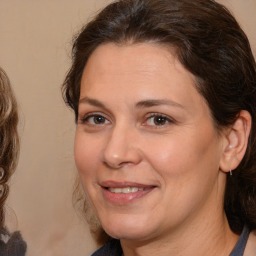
(121, 147)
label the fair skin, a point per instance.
(152, 164)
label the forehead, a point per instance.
(134, 64)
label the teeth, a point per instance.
(125, 190)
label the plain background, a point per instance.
(35, 44)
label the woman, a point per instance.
(164, 94)
(10, 244)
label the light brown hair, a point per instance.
(9, 140)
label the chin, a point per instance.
(128, 229)
(127, 234)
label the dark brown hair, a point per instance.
(9, 140)
(211, 45)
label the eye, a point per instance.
(158, 120)
(95, 119)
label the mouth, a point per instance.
(121, 193)
(125, 190)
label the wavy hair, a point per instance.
(9, 140)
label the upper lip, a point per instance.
(123, 184)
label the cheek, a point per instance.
(86, 155)
(168, 156)
(184, 158)
(87, 162)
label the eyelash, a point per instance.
(167, 120)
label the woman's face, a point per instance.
(146, 149)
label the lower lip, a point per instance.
(122, 198)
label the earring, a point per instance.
(230, 172)
(1, 173)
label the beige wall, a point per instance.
(35, 38)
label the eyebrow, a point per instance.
(141, 104)
(152, 102)
(92, 102)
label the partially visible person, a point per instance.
(10, 244)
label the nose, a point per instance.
(122, 148)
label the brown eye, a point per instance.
(158, 120)
(95, 120)
(99, 119)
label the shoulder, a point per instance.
(250, 249)
(112, 248)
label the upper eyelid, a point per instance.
(87, 106)
(92, 113)
(83, 117)
(154, 114)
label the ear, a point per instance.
(236, 140)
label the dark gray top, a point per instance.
(240, 246)
(113, 248)
(12, 245)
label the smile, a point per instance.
(122, 193)
(125, 190)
